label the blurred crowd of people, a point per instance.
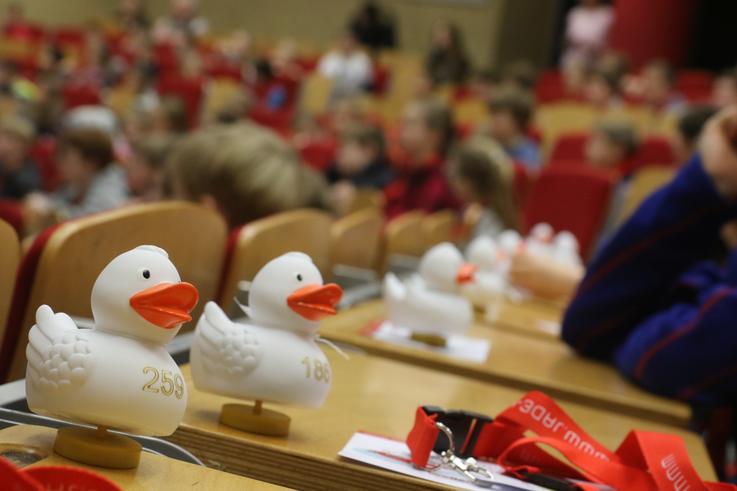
(68, 148)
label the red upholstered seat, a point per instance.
(43, 152)
(571, 198)
(76, 95)
(570, 147)
(656, 150)
(522, 183)
(189, 90)
(21, 296)
(695, 85)
(12, 212)
(318, 153)
(550, 87)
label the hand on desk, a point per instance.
(543, 276)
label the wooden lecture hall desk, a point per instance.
(154, 473)
(379, 396)
(523, 362)
(528, 317)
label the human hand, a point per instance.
(718, 147)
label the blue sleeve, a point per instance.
(671, 231)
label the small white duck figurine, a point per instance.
(540, 239)
(119, 374)
(429, 303)
(566, 249)
(490, 279)
(274, 356)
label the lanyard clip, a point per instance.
(469, 467)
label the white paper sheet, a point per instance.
(463, 347)
(394, 455)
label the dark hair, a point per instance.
(521, 73)
(516, 102)
(365, 135)
(175, 112)
(621, 134)
(155, 149)
(92, 144)
(665, 68)
(438, 117)
(693, 121)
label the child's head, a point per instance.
(520, 74)
(686, 139)
(427, 130)
(602, 86)
(82, 153)
(484, 83)
(145, 168)
(610, 144)
(447, 36)
(510, 112)
(244, 171)
(658, 78)
(171, 116)
(480, 172)
(16, 136)
(724, 90)
(360, 145)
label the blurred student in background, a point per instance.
(611, 143)
(686, 137)
(19, 175)
(447, 61)
(361, 162)
(587, 32)
(427, 134)
(348, 66)
(724, 90)
(658, 88)
(510, 115)
(481, 176)
(603, 89)
(144, 168)
(373, 28)
(242, 171)
(181, 25)
(91, 181)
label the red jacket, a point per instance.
(419, 188)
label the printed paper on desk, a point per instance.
(394, 455)
(462, 347)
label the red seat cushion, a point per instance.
(21, 295)
(43, 152)
(570, 147)
(228, 261)
(571, 198)
(318, 153)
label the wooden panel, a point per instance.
(522, 362)
(154, 472)
(75, 254)
(9, 257)
(404, 235)
(439, 227)
(375, 395)
(355, 239)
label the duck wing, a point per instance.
(225, 346)
(59, 355)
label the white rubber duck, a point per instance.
(540, 240)
(119, 374)
(273, 357)
(490, 279)
(430, 302)
(566, 249)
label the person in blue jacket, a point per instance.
(652, 300)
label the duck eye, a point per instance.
(299, 277)
(146, 274)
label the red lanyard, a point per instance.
(644, 461)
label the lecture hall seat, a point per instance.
(9, 260)
(355, 239)
(251, 246)
(63, 262)
(569, 147)
(571, 198)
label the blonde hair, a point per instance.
(484, 164)
(248, 170)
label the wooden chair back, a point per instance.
(9, 259)
(439, 227)
(316, 91)
(356, 238)
(262, 240)
(645, 181)
(404, 236)
(74, 254)
(367, 199)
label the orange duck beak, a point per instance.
(167, 304)
(313, 302)
(465, 273)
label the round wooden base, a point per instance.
(98, 447)
(254, 419)
(429, 339)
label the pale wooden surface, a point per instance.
(530, 317)
(78, 250)
(522, 362)
(9, 258)
(355, 239)
(438, 227)
(379, 396)
(154, 473)
(263, 240)
(645, 182)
